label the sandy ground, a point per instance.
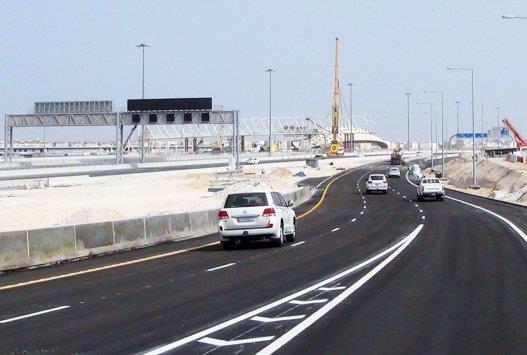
(497, 177)
(116, 197)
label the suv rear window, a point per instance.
(249, 199)
(377, 177)
(430, 181)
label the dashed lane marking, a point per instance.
(221, 267)
(335, 229)
(33, 314)
(299, 243)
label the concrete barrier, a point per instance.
(129, 230)
(14, 249)
(50, 244)
(44, 246)
(94, 235)
(158, 227)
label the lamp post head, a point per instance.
(142, 45)
(508, 17)
(270, 70)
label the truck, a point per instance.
(396, 157)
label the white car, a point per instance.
(252, 161)
(430, 187)
(394, 172)
(377, 182)
(255, 216)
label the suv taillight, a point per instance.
(223, 214)
(268, 212)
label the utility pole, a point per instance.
(408, 128)
(474, 181)
(499, 130)
(351, 117)
(143, 46)
(270, 71)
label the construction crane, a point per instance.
(335, 148)
(521, 142)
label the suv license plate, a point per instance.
(245, 219)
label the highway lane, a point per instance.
(460, 288)
(141, 306)
(153, 302)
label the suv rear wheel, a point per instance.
(280, 241)
(291, 237)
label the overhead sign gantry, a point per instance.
(144, 112)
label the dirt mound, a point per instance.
(496, 180)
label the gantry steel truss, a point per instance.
(113, 119)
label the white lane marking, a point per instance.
(221, 267)
(277, 319)
(335, 288)
(33, 314)
(299, 243)
(170, 346)
(361, 212)
(219, 342)
(335, 229)
(300, 302)
(416, 205)
(505, 220)
(278, 343)
(421, 211)
(422, 217)
(404, 196)
(363, 207)
(398, 193)
(354, 219)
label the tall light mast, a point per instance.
(335, 109)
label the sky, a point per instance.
(86, 50)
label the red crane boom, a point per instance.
(520, 141)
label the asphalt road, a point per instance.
(368, 274)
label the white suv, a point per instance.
(256, 215)
(377, 182)
(430, 187)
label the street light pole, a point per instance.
(351, 117)
(408, 121)
(270, 71)
(431, 132)
(474, 181)
(457, 116)
(498, 121)
(442, 130)
(143, 46)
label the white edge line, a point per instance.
(335, 229)
(33, 314)
(170, 346)
(354, 219)
(505, 220)
(221, 267)
(281, 341)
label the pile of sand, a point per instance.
(497, 180)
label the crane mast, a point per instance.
(335, 109)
